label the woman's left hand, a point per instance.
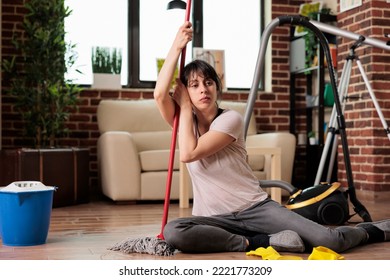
(180, 94)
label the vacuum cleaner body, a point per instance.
(323, 203)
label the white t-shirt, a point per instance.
(224, 182)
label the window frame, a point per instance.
(134, 40)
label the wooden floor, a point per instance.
(84, 232)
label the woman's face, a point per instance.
(202, 91)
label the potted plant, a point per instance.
(44, 98)
(311, 41)
(106, 67)
(312, 137)
(42, 95)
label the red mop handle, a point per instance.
(173, 139)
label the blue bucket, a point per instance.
(25, 214)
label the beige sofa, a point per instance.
(134, 148)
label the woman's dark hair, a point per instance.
(204, 69)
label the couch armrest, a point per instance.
(119, 166)
(275, 166)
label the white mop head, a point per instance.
(146, 245)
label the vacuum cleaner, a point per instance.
(325, 203)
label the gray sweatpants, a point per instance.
(224, 233)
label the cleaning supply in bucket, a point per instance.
(25, 211)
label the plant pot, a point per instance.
(312, 141)
(106, 81)
(64, 168)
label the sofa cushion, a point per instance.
(261, 175)
(157, 160)
(153, 140)
(256, 162)
(153, 185)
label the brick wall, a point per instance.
(369, 144)
(271, 109)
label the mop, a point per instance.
(158, 245)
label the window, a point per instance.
(235, 27)
(157, 30)
(145, 29)
(96, 23)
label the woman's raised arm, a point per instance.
(163, 85)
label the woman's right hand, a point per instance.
(184, 35)
(163, 84)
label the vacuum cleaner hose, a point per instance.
(278, 184)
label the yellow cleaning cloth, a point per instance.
(318, 253)
(323, 253)
(270, 253)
